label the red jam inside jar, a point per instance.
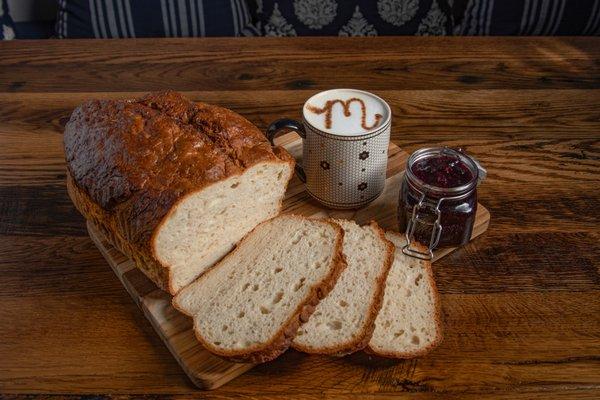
(439, 195)
(442, 171)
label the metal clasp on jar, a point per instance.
(436, 231)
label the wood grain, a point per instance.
(300, 63)
(205, 370)
(521, 303)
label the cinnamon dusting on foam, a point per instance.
(328, 108)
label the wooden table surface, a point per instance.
(521, 304)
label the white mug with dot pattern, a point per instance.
(346, 134)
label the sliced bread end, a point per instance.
(400, 331)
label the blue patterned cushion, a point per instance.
(152, 18)
(531, 17)
(7, 26)
(353, 17)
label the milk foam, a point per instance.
(315, 112)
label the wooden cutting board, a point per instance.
(175, 329)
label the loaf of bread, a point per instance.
(172, 183)
(408, 324)
(248, 306)
(343, 322)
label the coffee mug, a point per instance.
(346, 133)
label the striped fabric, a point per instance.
(152, 18)
(531, 17)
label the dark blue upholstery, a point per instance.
(7, 26)
(34, 29)
(531, 17)
(159, 18)
(353, 17)
(152, 18)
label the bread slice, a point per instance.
(408, 324)
(248, 306)
(344, 320)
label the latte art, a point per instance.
(327, 110)
(346, 112)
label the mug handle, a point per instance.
(275, 129)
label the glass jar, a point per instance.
(438, 200)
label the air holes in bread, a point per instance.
(233, 186)
(415, 340)
(408, 292)
(217, 343)
(398, 334)
(225, 327)
(418, 278)
(254, 310)
(343, 303)
(278, 297)
(299, 285)
(335, 325)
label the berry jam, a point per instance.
(443, 171)
(442, 178)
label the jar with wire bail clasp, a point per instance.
(438, 199)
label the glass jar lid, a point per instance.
(443, 171)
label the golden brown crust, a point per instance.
(131, 161)
(363, 339)
(437, 317)
(283, 338)
(106, 223)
